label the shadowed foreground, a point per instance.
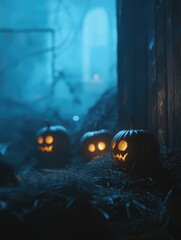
(92, 200)
(88, 200)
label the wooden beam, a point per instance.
(161, 72)
(177, 70)
(151, 68)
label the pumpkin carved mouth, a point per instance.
(46, 148)
(120, 156)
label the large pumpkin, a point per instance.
(135, 146)
(94, 144)
(53, 146)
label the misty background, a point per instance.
(57, 54)
(57, 59)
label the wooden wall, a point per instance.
(149, 67)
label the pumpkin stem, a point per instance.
(131, 121)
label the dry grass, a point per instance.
(93, 200)
(64, 200)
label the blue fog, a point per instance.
(58, 55)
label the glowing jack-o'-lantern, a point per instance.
(53, 146)
(134, 146)
(122, 146)
(94, 144)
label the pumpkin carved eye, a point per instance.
(113, 144)
(94, 144)
(91, 147)
(40, 140)
(135, 148)
(49, 139)
(122, 145)
(52, 146)
(101, 146)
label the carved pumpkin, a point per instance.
(134, 146)
(53, 146)
(94, 144)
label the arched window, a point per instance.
(96, 55)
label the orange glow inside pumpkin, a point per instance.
(46, 148)
(101, 146)
(91, 147)
(40, 140)
(122, 145)
(49, 139)
(120, 156)
(113, 144)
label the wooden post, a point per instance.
(149, 67)
(177, 70)
(132, 85)
(126, 60)
(161, 72)
(170, 71)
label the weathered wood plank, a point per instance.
(140, 66)
(177, 70)
(161, 72)
(170, 71)
(126, 60)
(151, 68)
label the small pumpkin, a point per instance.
(135, 146)
(94, 144)
(53, 146)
